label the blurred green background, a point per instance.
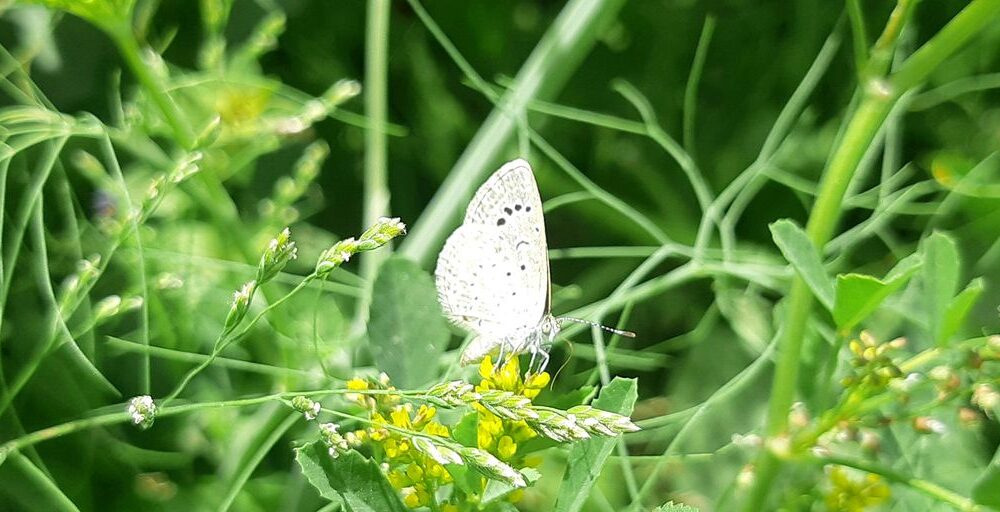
(692, 338)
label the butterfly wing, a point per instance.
(493, 273)
(509, 200)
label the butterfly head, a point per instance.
(549, 328)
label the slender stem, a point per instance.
(226, 338)
(550, 65)
(860, 35)
(376, 198)
(116, 171)
(113, 418)
(130, 51)
(41, 480)
(694, 78)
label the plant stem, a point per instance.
(860, 35)
(550, 65)
(227, 338)
(861, 130)
(376, 198)
(124, 39)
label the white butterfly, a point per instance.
(493, 273)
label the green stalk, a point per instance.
(42, 481)
(860, 133)
(124, 39)
(860, 35)
(376, 199)
(227, 338)
(558, 54)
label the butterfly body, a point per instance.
(492, 275)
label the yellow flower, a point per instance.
(409, 470)
(357, 384)
(508, 378)
(496, 435)
(849, 493)
(506, 447)
(401, 416)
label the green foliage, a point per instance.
(182, 302)
(351, 478)
(407, 329)
(796, 247)
(858, 295)
(586, 459)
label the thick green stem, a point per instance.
(879, 98)
(548, 68)
(376, 199)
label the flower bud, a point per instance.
(279, 252)
(241, 304)
(143, 411)
(309, 408)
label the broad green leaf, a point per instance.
(959, 309)
(351, 478)
(675, 507)
(986, 490)
(407, 331)
(796, 247)
(941, 264)
(860, 295)
(586, 458)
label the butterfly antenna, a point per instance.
(627, 334)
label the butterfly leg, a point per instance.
(500, 358)
(545, 360)
(538, 353)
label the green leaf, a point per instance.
(466, 430)
(860, 295)
(748, 314)
(586, 458)
(350, 477)
(986, 490)
(940, 275)
(407, 331)
(796, 247)
(496, 489)
(959, 309)
(675, 507)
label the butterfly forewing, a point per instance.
(492, 275)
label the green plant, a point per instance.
(809, 265)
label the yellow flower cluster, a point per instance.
(500, 436)
(416, 475)
(848, 493)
